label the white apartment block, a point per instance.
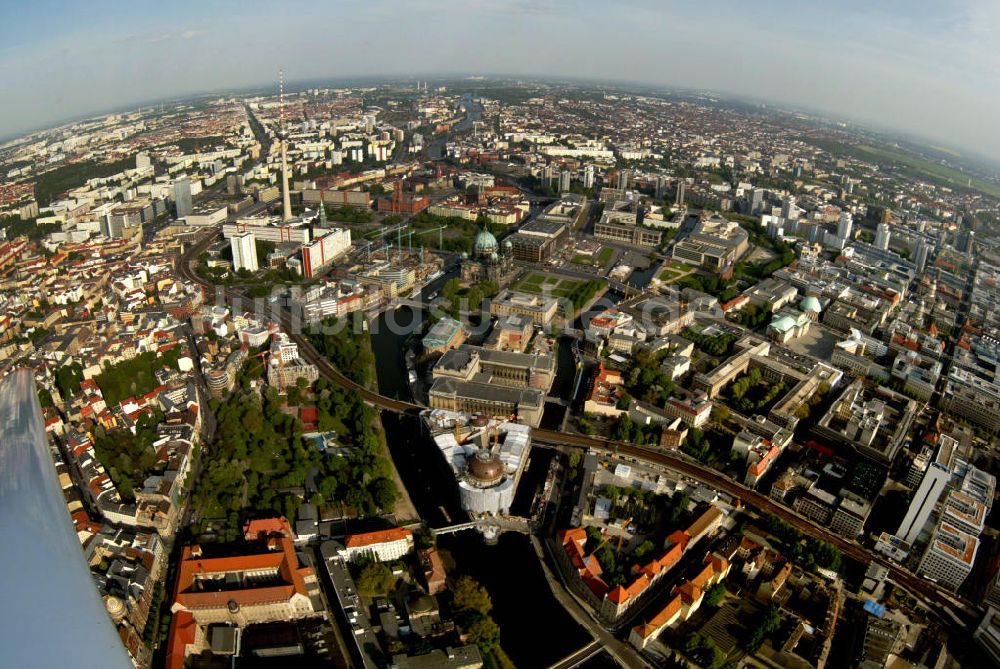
(949, 556)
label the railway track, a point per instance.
(938, 599)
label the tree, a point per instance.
(720, 413)
(715, 595)
(375, 579)
(645, 548)
(624, 429)
(574, 460)
(485, 633)
(468, 595)
(383, 492)
(624, 402)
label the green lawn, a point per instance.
(553, 285)
(669, 275)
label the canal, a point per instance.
(535, 630)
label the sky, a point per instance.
(925, 67)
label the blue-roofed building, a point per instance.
(874, 608)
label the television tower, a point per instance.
(286, 200)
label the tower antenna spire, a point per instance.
(286, 200)
(281, 101)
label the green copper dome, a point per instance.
(810, 303)
(485, 244)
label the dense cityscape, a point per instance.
(484, 372)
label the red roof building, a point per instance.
(267, 585)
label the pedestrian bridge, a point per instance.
(490, 526)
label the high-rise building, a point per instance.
(661, 186)
(548, 173)
(949, 556)
(182, 197)
(964, 241)
(931, 486)
(244, 252)
(143, 161)
(623, 179)
(882, 236)
(845, 225)
(788, 208)
(756, 201)
(920, 254)
(564, 181)
(234, 184)
(680, 194)
(588, 176)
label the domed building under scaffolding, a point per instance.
(487, 456)
(490, 261)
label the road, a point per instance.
(934, 596)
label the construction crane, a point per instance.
(621, 535)
(411, 234)
(379, 236)
(604, 540)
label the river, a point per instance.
(473, 112)
(535, 629)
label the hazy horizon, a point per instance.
(922, 68)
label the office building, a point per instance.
(269, 230)
(933, 484)
(965, 241)
(788, 208)
(972, 397)
(845, 225)
(125, 220)
(949, 556)
(882, 635)
(987, 635)
(920, 253)
(715, 244)
(537, 239)
(244, 252)
(882, 236)
(621, 226)
(182, 197)
(322, 251)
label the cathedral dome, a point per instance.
(485, 244)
